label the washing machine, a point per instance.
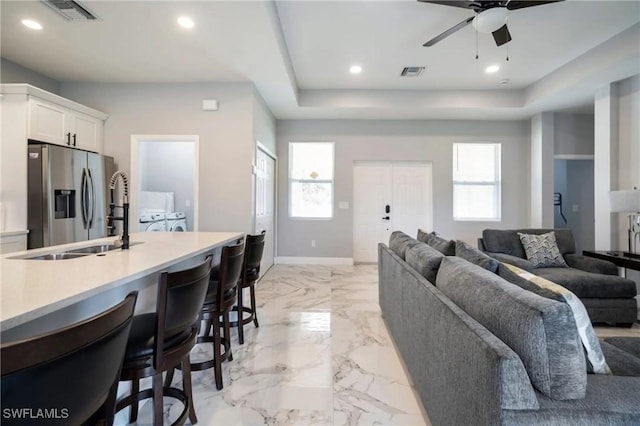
(152, 222)
(176, 222)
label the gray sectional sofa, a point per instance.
(607, 297)
(481, 351)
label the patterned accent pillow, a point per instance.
(594, 356)
(542, 250)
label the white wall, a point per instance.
(226, 136)
(573, 134)
(10, 72)
(357, 140)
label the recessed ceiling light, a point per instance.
(355, 69)
(492, 68)
(185, 22)
(31, 24)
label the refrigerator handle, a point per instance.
(83, 198)
(92, 199)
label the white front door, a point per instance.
(387, 197)
(265, 206)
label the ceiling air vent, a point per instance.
(70, 10)
(412, 71)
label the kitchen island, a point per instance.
(41, 295)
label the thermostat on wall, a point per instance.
(210, 104)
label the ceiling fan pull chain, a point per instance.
(476, 42)
(507, 53)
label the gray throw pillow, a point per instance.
(399, 242)
(542, 250)
(475, 256)
(424, 259)
(424, 235)
(446, 247)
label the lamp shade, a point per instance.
(625, 201)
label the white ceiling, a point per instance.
(298, 53)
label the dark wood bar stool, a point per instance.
(248, 278)
(220, 299)
(73, 371)
(161, 340)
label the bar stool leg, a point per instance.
(157, 400)
(133, 412)
(187, 388)
(227, 334)
(252, 291)
(240, 315)
(216, 352)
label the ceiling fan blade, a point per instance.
(462, 3)
(515, 4)
(448, 32)
(502, 35)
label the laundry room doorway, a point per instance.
(164, 182)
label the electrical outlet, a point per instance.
(187, 203)
(575, 208)
(313, 243)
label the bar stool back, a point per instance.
(57, 371)
(248, 278)
(220, 299)
(161, 340)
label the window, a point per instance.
(476, 181)
(311, 180)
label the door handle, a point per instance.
(386, 218)
(83, 199)
(69, 138)
(74, 139)
(92, 198)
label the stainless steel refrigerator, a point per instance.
(67, 191)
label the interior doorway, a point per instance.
(265, 203)
(574, 200)
(387, 197)
(164, 179)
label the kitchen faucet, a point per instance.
(125, 207)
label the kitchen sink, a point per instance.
(99, 249)
(57, 256)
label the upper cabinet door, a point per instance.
(56, 124)
(87, 132)
(48, 122)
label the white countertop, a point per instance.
(32, 288)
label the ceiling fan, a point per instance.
(491, 17)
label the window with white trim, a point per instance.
(476, 181)
(311, 180)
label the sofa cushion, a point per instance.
(595, 358)
(507, 240)
(424, 235)
(444, 246)
(621, 362)
(542, 250)
(541, 331)
(399, 242)
(475, 256)
(424, 259)
(589, 285)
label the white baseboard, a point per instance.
(314, 261)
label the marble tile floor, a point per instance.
(321, 356)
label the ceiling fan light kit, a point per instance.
(491, 20)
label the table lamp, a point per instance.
(629, 202)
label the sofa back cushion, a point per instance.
(424, 259)
(541, 331)
(399, 242)
(444, 246)
(475, 256)
(507, 240)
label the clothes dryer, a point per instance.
(152, 222)
(176, 222)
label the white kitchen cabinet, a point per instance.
(27, 112)
(53, 123)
